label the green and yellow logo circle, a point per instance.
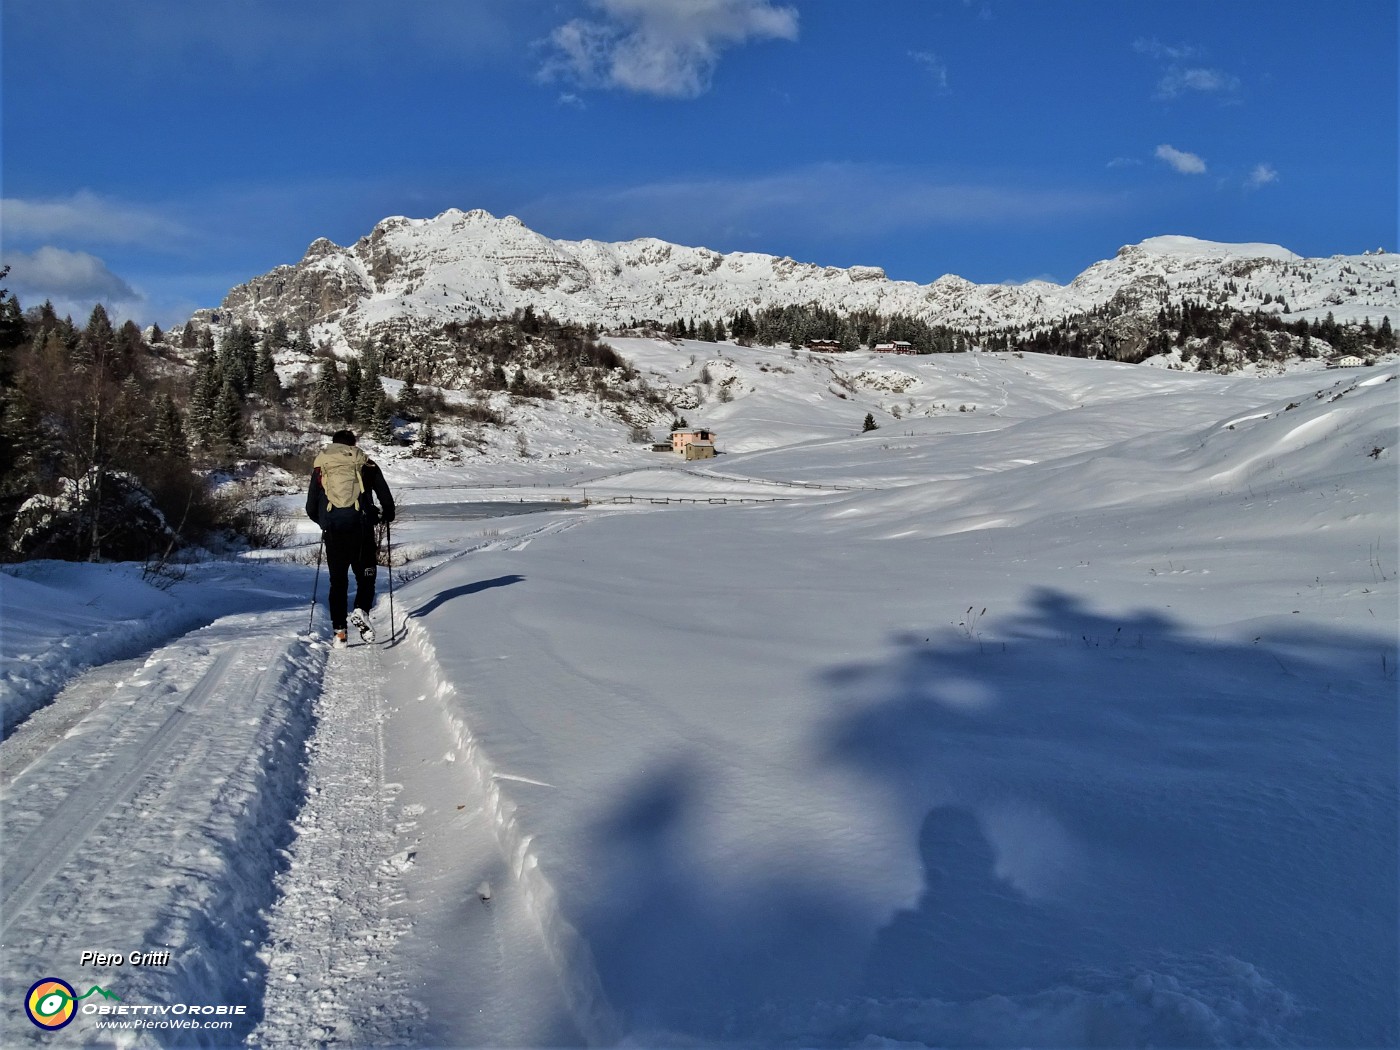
(51, 1003)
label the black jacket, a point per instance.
(375, 486)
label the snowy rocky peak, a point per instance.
(1193, 249)
(1181, 262)
(414, 273)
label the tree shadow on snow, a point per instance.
(680, 954)
(1128, 835)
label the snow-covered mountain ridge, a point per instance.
(408, 274)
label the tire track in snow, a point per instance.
(37, 733)
(150, 818)
(976, 358)
(519, 543)
(48, 847)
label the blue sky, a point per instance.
(157, 152)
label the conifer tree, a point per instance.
(850, 338)
(19, 416)
(133, 423)
(869, 423)
(129, 348)
(228, 433)
(367, 400)
(238, 357)
(265, 382)
(382, 419)
(409, 400)
(326, 394)
(371, 358)
(26, 452)
(743, 326)
(354, 377)
(203, 399)
(168, 432)
(95, 345)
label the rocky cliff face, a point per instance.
(420, 274)
(325, 284)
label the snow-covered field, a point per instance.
(1058, 711)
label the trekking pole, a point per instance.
(310, 623)
(389, 559)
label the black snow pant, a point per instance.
(350, 551)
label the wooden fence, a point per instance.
(660, 501)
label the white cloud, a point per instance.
(1181, 71)
(1262, 175)
(1172, 52)
(934, 66)
(1177, 81)
(667, 48)
(88, 217)
(1181, 161)
(72, 281)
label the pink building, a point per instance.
(680, 439)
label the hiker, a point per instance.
(340, 498)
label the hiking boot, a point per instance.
(339, 642)
(361, 622)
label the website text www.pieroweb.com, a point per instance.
(53, 1003)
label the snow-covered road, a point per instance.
(146, 810)
(237, 807)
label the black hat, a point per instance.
(343, 437)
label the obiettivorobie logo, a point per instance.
(52, 1003)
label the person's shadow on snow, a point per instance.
(955, 945)
(1095, 794)
(443, 597)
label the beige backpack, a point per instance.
(340, 467)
